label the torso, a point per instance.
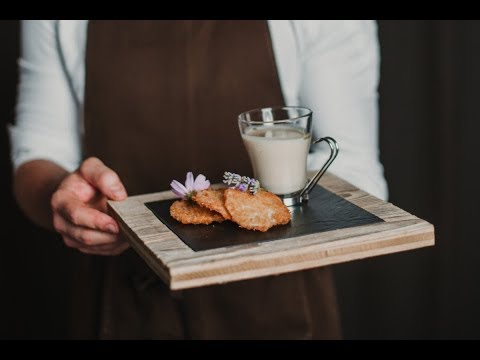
(162, 98)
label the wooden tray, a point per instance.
(388, 230)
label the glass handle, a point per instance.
(333, 154)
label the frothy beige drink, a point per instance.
(279, 156)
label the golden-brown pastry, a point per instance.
(187, 212)
(256, 212)
(213, 200)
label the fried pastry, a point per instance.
(213, 200)
(256, 212)
(188, 212)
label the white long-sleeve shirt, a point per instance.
(331, 67)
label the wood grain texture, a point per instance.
(181, 268)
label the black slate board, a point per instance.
(324, 211)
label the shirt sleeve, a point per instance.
(338, 81)
(46, 114)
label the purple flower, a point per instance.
(191, 186)
(242, 187)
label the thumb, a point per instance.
(103, 178)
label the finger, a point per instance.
(83, 235)
(111, 252)
(120, 248)
(79, 186)
(100, 203)
(114, 248)
(71, 243)
(103, 178)
(76, 212)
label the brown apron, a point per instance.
(161, 99)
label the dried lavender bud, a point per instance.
(231, 178)
(242, 187)
(253, 186)
(245, 179)
(242, 183)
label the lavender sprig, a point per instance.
(242, 183)
(231, 178)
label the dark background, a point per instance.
(430, 119)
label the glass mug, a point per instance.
(278, 140)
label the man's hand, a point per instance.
(79, 209)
